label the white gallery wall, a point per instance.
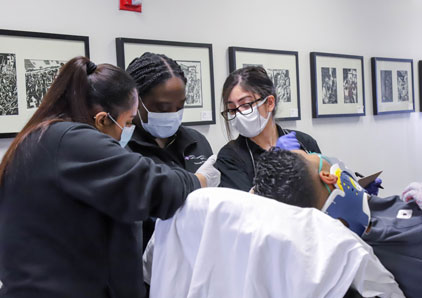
(376, 28)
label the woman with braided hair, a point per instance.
(161, 86)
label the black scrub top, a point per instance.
(396, 237)
(187, 149)
(67, 207)
(236, 160)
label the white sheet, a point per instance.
(228, 243)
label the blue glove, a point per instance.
(288, 142)
(373, 187)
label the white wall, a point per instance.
(382, 28)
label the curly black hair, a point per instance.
(152, 69)
(284, 176)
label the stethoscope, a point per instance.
(285, 132)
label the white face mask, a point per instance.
(252, 124)
(162, 125)
(127, 132)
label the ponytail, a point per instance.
(79, 87)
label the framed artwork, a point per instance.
(282, 68)
(196, 61)
(392, 85)
(29, 62)
(420, 85)
(338, 87)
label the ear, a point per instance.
(101, 121)
(271, 103)
(328, 178)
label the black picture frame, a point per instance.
(196, 60)
(420, 84)
(392, 90)
(279, 65)
(330, 99)
(29, 62)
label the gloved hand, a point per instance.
(211, 174)
(413, 192)
(288, 142)
(373, 187)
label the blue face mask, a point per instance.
(162, 125)
(348, 201)
(127, 132)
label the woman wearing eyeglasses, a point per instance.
(250, 102)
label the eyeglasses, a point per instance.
(244, 109)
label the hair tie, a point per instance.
(90, 67)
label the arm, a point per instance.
(94, 169)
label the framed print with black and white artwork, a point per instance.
(338, 87)
(392, 85)
(29, 62)
(196, 61)
(282, 68)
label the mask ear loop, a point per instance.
(115, 122)
(319, 171)
(143, 105)
(257, 109)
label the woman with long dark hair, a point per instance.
(250, 102)
(71, 198)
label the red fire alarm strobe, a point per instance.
(132, 5)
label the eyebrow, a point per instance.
(242, 98)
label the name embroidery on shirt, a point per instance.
(197, 160)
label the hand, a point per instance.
(373, 187)
(413, 192)
(288, 142)
(209, 172)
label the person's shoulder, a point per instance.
(193, 133)
(191, 136)
(232, 148)
(308, 142)
(63, 127)
(392, 204)
(303, 135)
(57, 130)
(77, 133)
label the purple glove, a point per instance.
(288, 142)
(413, 192)
(373, 187)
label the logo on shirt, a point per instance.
(197, 160)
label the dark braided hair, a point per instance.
(284, 176)
(151, 69)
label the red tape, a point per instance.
(127, 5)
